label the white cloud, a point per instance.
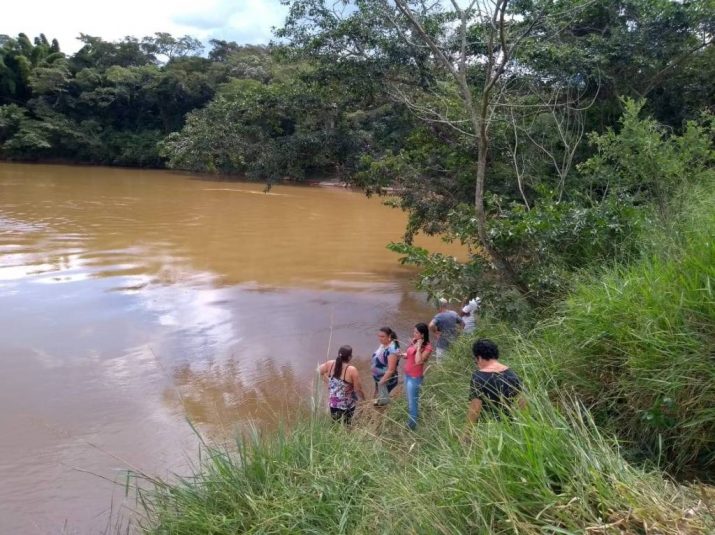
(244, 21)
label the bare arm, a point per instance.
(324, 369)
(357, 385)
(521, 401)
(475, 409)
(391, 367)
(433, 327)
(422, 354)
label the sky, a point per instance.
(243, 21)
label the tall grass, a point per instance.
(633, 347)
(637, 345)
(548, 470)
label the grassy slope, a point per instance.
(635, 344)
(638, 347)
(549, 470)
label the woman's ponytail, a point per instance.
(345, 353)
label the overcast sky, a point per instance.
(243, 21)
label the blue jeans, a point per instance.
(412, 390)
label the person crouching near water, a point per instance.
(495, 387)
(344, 388)
(416, 356)
(384, 365)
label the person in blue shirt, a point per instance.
(444, 325)
(384, 365)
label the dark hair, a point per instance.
(345, 353)
(392, 334)
(424, 331)
(485, 349)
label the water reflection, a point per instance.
(221, 396)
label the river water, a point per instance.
(131, 301)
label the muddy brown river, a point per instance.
(131, 301)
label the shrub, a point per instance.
(636, 345)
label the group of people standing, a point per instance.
(345, 388)
(492, 383)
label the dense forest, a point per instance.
(568, 144)
(503, 127)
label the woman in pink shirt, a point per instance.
(416, 355)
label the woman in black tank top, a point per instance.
(495, 387)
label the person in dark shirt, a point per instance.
(494, 387)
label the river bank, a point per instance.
(327, 181)
(627, 459)
(549, 470)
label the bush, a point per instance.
(636, 345)
(555, 239)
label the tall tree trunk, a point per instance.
(496, 64)
(501, 264)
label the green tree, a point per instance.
(511, 87)
(23, 64)
(97, 53)
(284, 129)
(165, 44)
